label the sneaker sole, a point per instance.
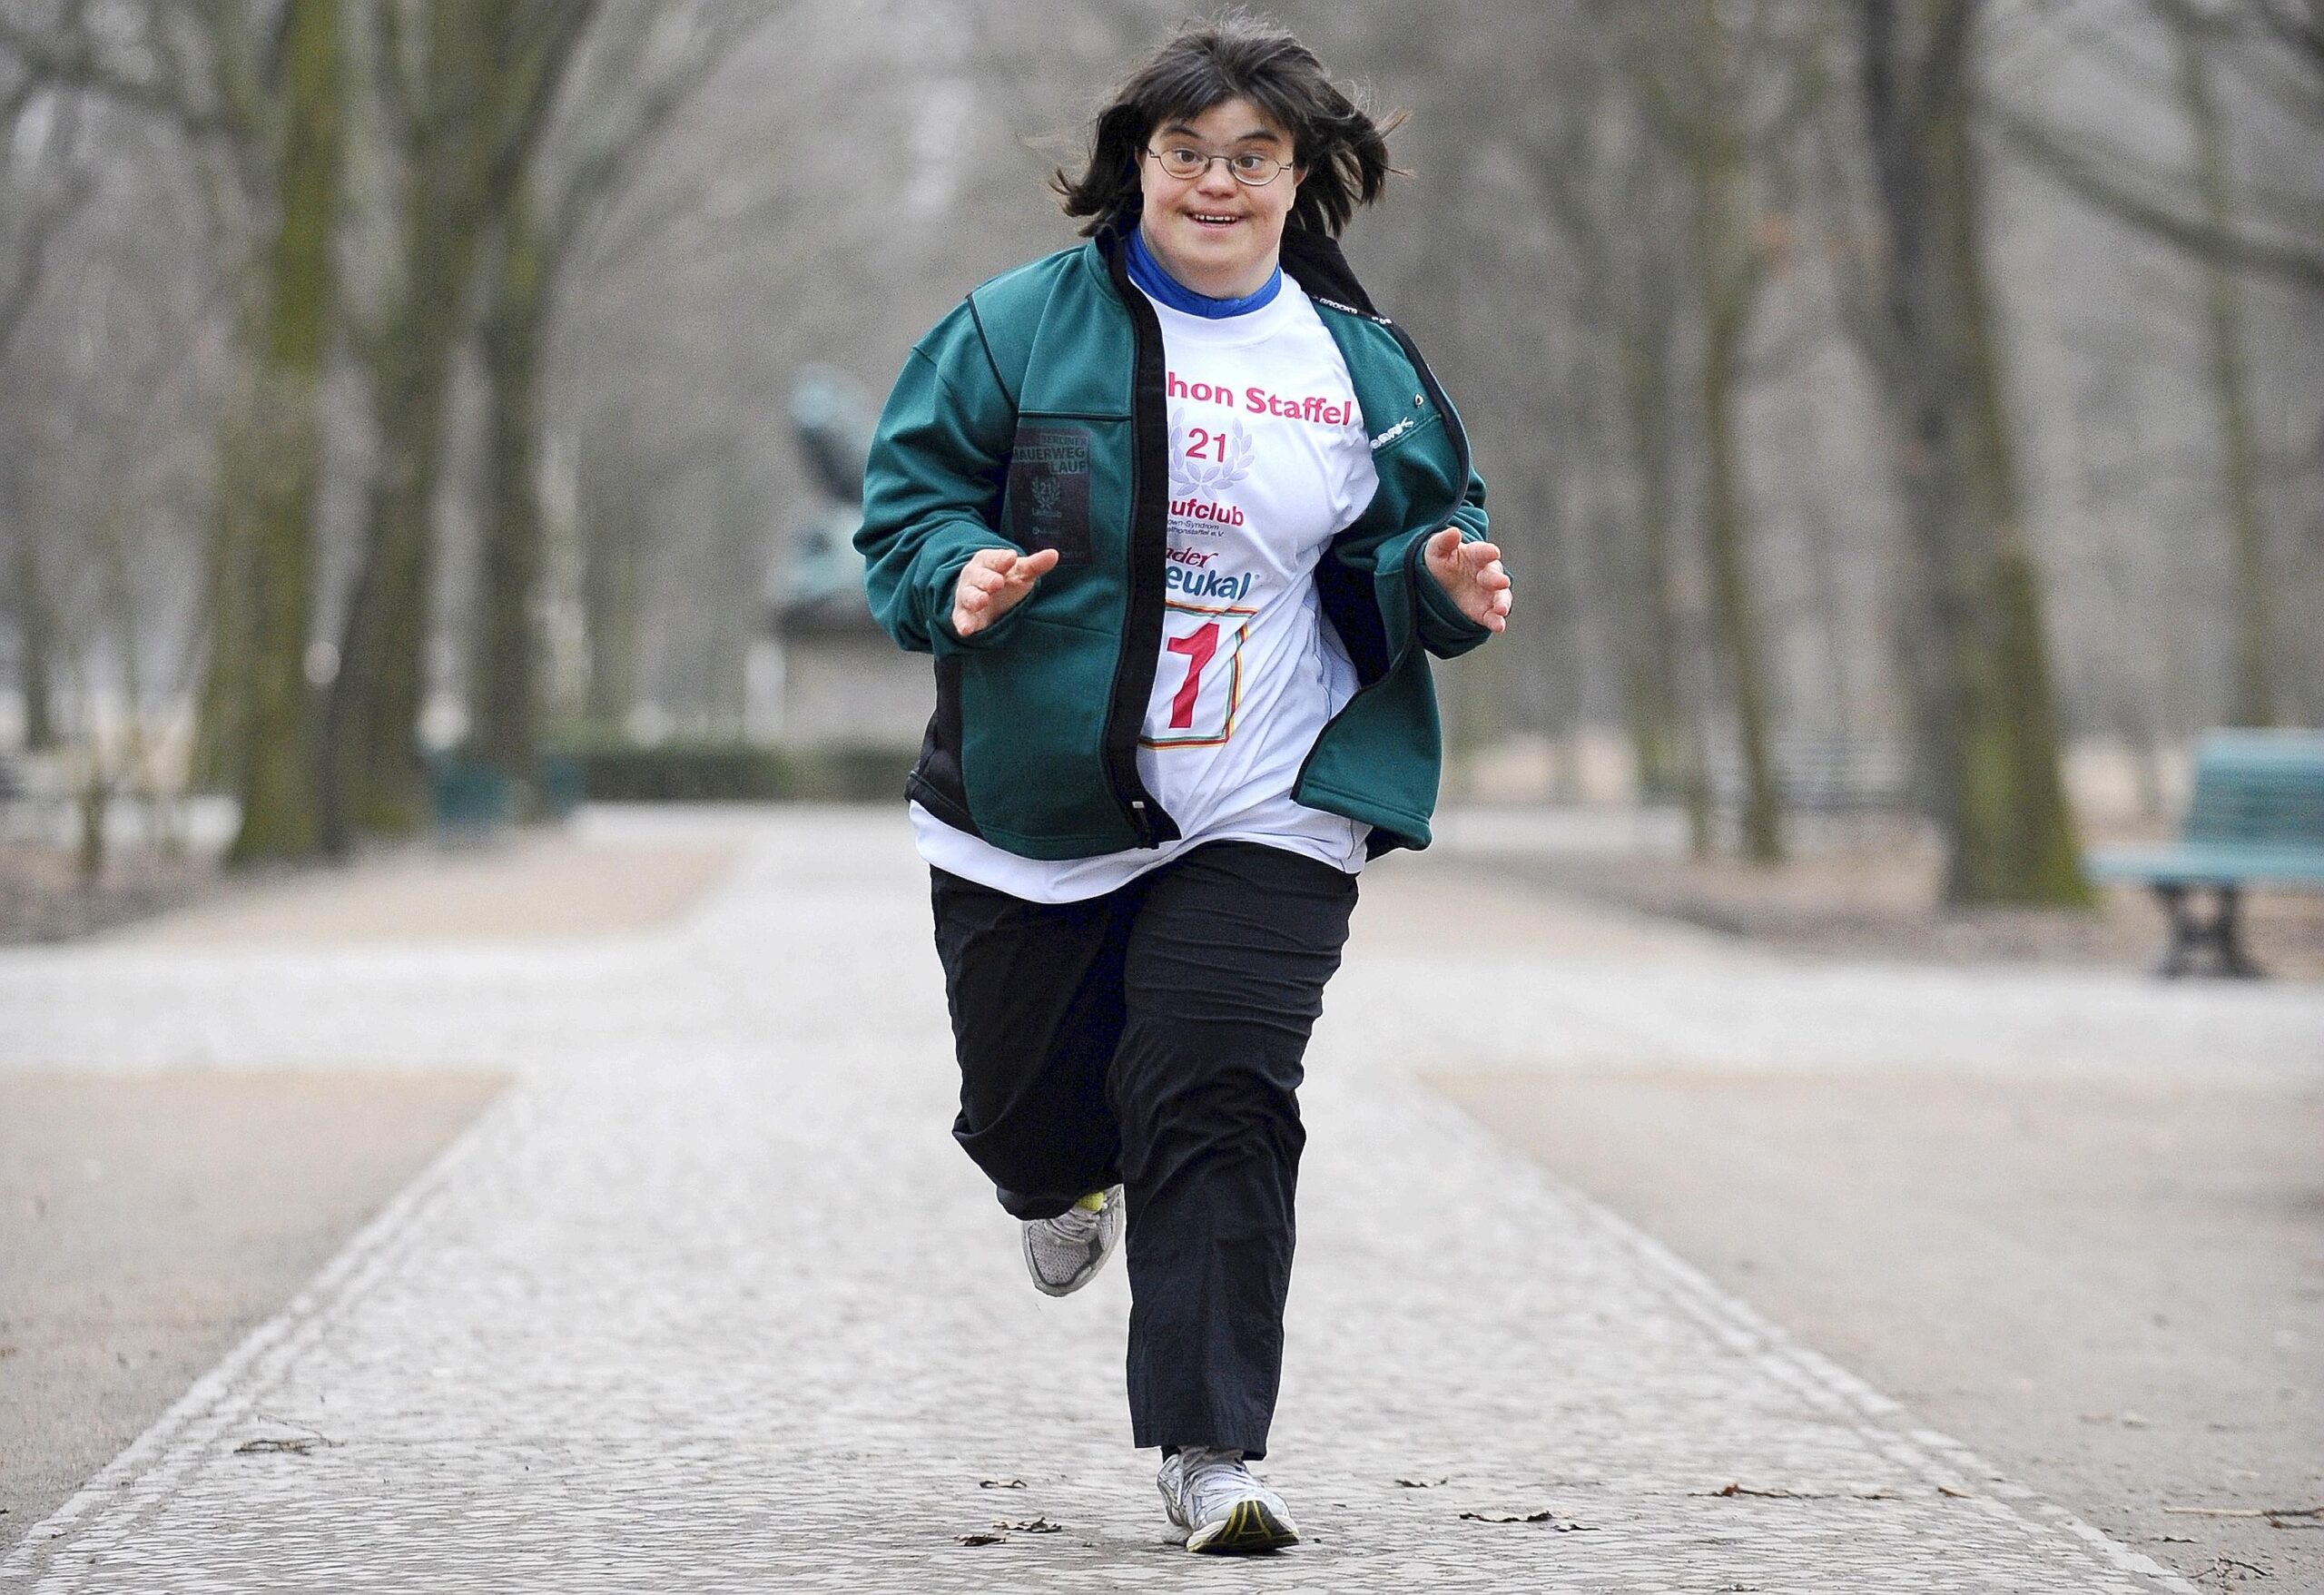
(1249, 1529)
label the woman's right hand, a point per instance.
(992, 583)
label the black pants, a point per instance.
(1153, 1036)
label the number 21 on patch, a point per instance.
(1200, 681)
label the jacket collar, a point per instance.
(1315, 261)
(1311, 259)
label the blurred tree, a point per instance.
(2277, 48)
(222, 75)
(613, 582)
(468, 86)
(276, 776)
(44, 185)
(641, 65)
(504, 708)
(2201, 218)
(1979, 676)
(1729, 270)
(1725, 89)
(1608, 189)
(2254, 700)
(29, 604)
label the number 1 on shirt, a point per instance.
(1201, 706)
(1199, 645)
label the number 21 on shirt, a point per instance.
(1202, 675)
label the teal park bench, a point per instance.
(2257, 818)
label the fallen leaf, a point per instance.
(1422, 1483)
(299, 1445)
(1029, 1526)
(980, 1538)
(1956, 1494)
(1000, 1484)
(1562, 1525)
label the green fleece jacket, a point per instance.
(1033, 417)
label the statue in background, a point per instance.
(824, 586)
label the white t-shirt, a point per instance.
(1268, 462)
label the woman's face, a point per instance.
(1215, 234)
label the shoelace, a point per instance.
(1075, 1224)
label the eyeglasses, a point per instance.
(1249, 169)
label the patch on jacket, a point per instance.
(1048, 491)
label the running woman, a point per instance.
(1180, 515)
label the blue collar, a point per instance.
(1147, 274)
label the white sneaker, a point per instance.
(1223, 1509)
(1064, 1254)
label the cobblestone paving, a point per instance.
(711, 1302)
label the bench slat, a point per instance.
(2257, 814)
(2258, 788)
(2194, 864)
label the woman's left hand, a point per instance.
(1472, 576)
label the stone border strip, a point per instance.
(1947, 1463)
(141, 1479)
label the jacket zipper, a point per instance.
(1141, 647)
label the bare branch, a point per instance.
(544, 41)
(596, 177)
(2096, 183)
(2299, 29)
(75, 63)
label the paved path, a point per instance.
(709, 1301)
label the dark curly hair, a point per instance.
(1344, 151)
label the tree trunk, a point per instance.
(1725, 281)
(374, 779)
(1733, 614)
(1655, 659)
(1979, 667)
(223, 707)
(277, 785)
(35, 634)
(616, 601)
(504, 717)
(2254, 700)
(613, 597)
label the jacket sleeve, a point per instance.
(1445, 631)
(932, 485)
